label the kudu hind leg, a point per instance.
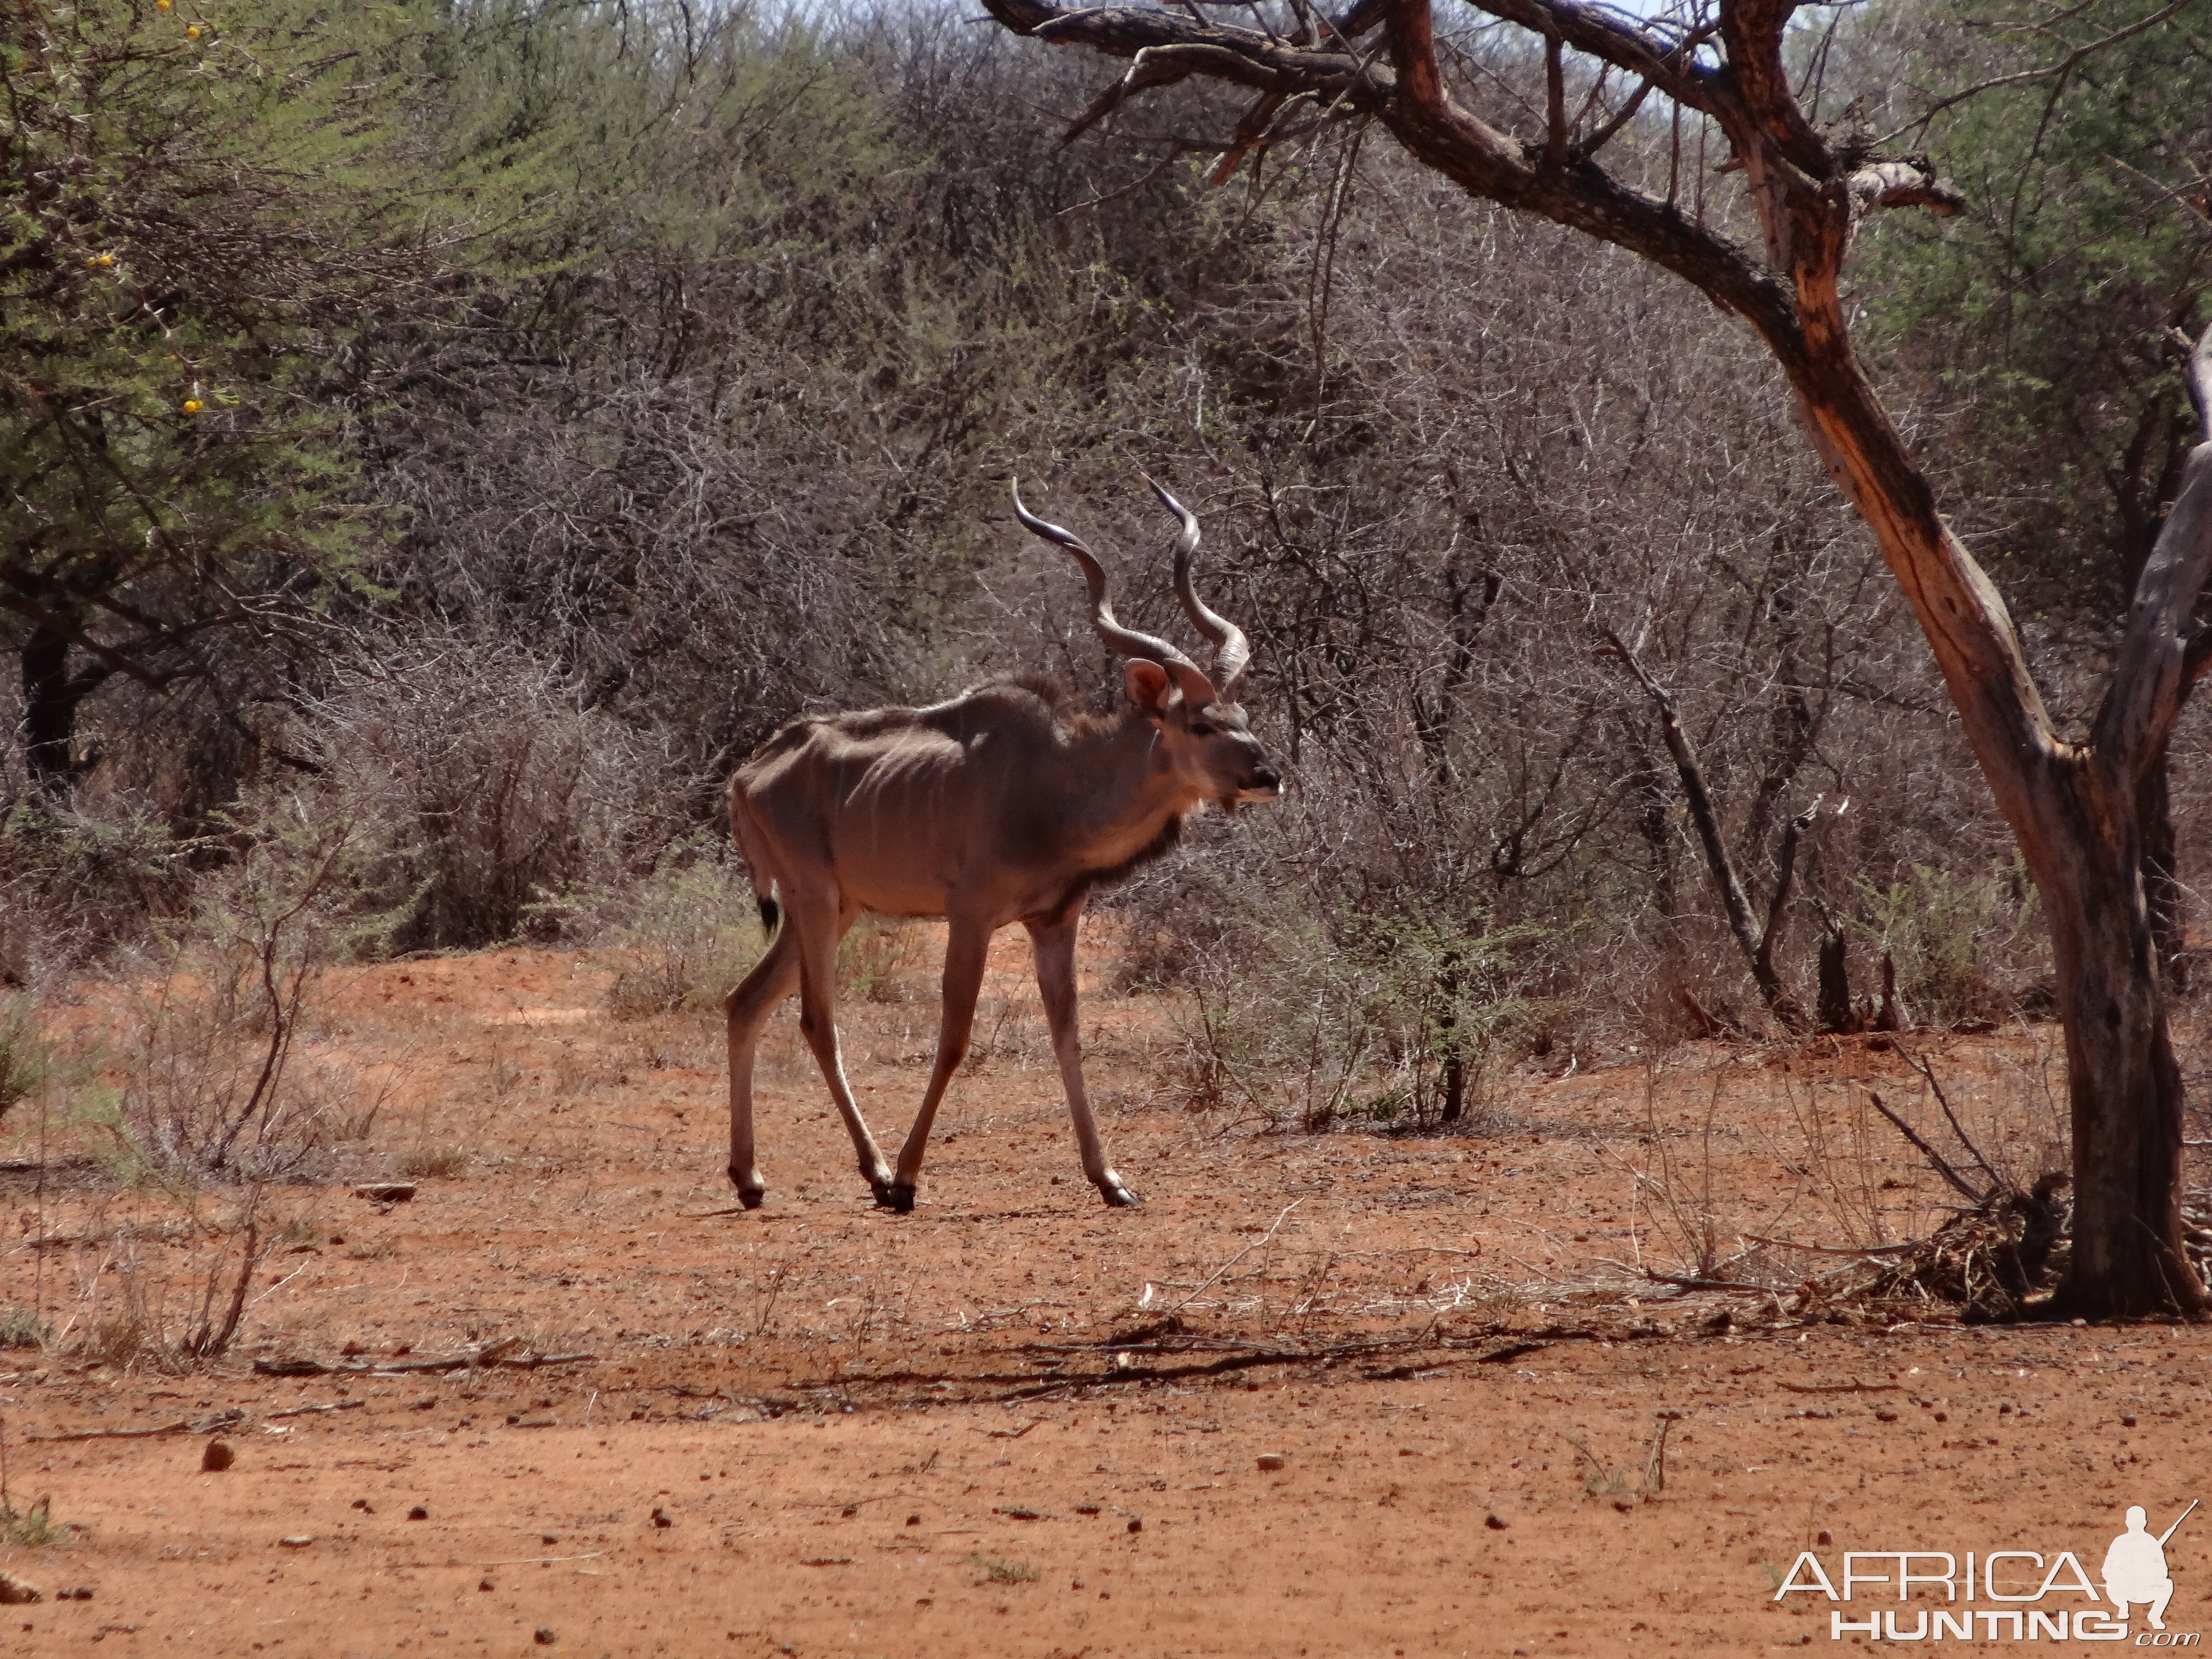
(817, 1019)
(1053, 943)
(965, 950)
(748, 1007)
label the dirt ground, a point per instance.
(1340, 1393)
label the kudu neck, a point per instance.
(1120, 784)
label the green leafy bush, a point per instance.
(1310, 1017)
(1955, 938)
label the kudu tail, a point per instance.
(748, 837)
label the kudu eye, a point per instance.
(1203, 729)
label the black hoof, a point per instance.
(893, 1196)
(1119, 1197)
(750, 1197)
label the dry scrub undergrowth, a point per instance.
(1953, 1203)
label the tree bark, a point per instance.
(2162, 890)
(49, 712)
(1837, 1016)
(2124, 1086)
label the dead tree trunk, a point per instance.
(1757, 944)
(1837, 1017)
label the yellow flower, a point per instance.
(192, 405)
(191, 31)
(160, 5)
(106, 259)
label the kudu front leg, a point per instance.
(817, 1021)
(964, 952)
(748, 1007)
(1054, 943)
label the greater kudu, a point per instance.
(998, 807)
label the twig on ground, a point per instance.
(1832, 1249)
(1264, 1238)
(1844, 1388)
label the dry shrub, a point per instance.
(78, 880)
(876, 958)
(1945, 1218)
(25, 1055)
(22, 1327)
(432, 1164)
(511, 792)
(161, 1294)
(212, 1007)
(686, 934)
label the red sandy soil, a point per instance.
(1017, 1423)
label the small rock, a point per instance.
(16, 1593)
(1884, 1414)
(1273, 1460)
(418, 1513)
(662, 1517)
(298, 1540)
(544, 1636)
(1495, 1523)
(218, 1456)
(914, 1520)
(364, 1506)
(386, 1192)
(1824, 1537)
(483, 1583)
(549, 1538)
(1135, 1525)
(81, 1593)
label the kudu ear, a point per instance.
(1148, 686)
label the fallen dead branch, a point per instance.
(1986, 1262)
(1844, 1387)
(499, 1354)
(1426, 1352)
(183, 1425)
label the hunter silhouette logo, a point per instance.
(2022, 1582)
(2135, 1567)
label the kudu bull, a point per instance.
(998, 807)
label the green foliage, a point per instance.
(1315, 1018)
(1951, 934)
(198, 215)
(2040, 314)
(32, 1529)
